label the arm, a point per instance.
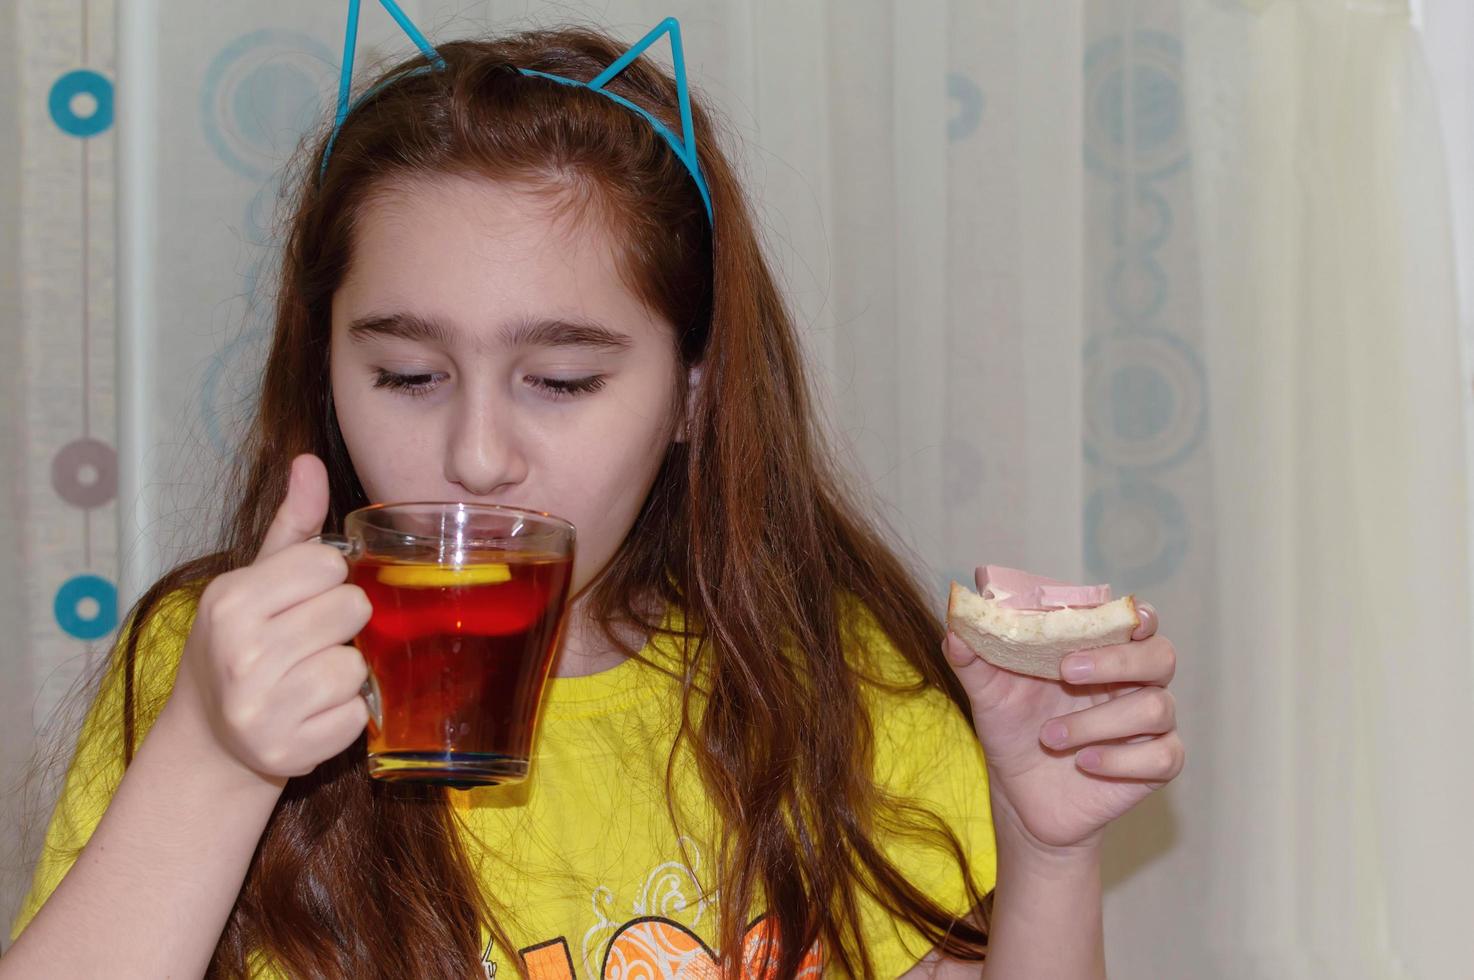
(1046, 917)
(265, 690)
(154, 886)
(1064, 759)
(1046, 921)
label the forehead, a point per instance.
(476, 252)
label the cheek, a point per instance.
(390, 462)
(602, 490)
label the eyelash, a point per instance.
(419, 385)
(569, 388)
(415, 385)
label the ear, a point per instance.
(693, 382)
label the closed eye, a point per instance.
(418, 385)
(410, 384)
(567, 387)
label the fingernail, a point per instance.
(1055, 733)
(1148, 615)
(1089, 759)
(1077, 668)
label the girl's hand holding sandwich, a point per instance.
(1067, 755)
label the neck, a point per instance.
(584, 648)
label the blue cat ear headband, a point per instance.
(684, 148)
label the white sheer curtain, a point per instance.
(1447, 30)
(1332, 315)
(1154, 292)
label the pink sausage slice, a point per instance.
(1037, 593)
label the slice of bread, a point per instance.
(1034, 643)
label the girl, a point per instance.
(759, 754)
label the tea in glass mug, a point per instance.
(469, 603)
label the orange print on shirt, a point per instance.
(658, 947)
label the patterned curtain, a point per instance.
(1161, 293)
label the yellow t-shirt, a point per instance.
(592, 876)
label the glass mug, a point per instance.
(469, 602)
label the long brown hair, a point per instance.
(747, 528)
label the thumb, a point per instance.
(980, 679)
(304, 508)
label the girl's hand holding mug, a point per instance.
(267, 665)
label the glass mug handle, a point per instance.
(353, 548)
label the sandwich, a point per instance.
(1027, 623)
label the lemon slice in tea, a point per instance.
(443, 576)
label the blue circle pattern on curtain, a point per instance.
(1147, 215)
(84, 471)
(81, 103)
(1145, 386)
(86, 607)
(1144, 400)
(963, 91)
(1138, 531)
(1150, 140)
(258, 231)
(224, 400)
(261, 92)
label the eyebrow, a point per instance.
(538, 332)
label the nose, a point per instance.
(484, 455)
